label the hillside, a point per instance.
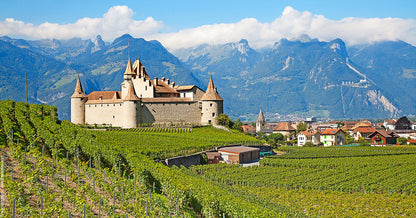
(56, 168)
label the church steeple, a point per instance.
(78, 93)
(261, 122)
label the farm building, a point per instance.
(239, 154)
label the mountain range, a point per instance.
(301, 77)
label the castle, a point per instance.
(146, 101)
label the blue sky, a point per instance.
(169, 18)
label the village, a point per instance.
(311, 132)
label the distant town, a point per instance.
(310, 132)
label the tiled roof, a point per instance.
(384, 133)
(284, 126)
(390, 122)
(78, 93)
(330, 131)
(365, 130)
(131, 94)
(211, 94)
(104, 95)
(182, 88)
(162, 87)
(129, 69)
(166, 99)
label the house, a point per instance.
(411, 142)
(330, 137)
(308, 136)
(389, 124)
(383, 137)
(284, 128)
(363, 132)
(239, 154)
(248, 128)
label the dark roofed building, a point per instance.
(383, 137)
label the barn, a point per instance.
(239, 154)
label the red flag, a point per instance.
(129, 43)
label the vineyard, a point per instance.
(53, 168)
(324, 181)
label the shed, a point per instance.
(239, 154)
(213, 157)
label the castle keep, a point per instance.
(146, 101)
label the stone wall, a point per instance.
(186, 161)
(171, 112)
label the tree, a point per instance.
(237, 125)
(276, 137)
(224, 120)
(301, 127)
(349, 139)
(402, 140)
(309, 144)
(340, 124)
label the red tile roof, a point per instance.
(211, 94)
(365, 130)
(331, 131)
(284, 126)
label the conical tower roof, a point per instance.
(129, 68)
(211, 94)
(131, 94)
(261, 119)
(78, 93)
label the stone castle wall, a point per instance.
(170, 112)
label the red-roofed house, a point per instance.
(330, 137)
(284, 128)
(363, 132)
(308, 136)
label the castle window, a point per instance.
(114, 105)
(101, 105)
(114, 116)
(108, 105)
(209, 121)
(163, 104)
(213, 114)
(189, 103)
(210, 105)
(95, 105)
(120, 104)
(145, 88)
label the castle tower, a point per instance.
(130, 107)
(212, 104)
(261, 122)
(78, 100)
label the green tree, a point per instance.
(224, 120)
(340, 124)
(237, 125)
(402, 140)
(349, 139)
(276, 137)
(309, 144)
(301, 127)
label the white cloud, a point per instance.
(117, 21)
(290, 24)
(293, 24)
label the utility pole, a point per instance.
(26, 87)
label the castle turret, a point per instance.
(78, 100)
(261, 122)
(129, 73)
(212, 104)
(130, 107)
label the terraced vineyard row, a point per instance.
(118, 155)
